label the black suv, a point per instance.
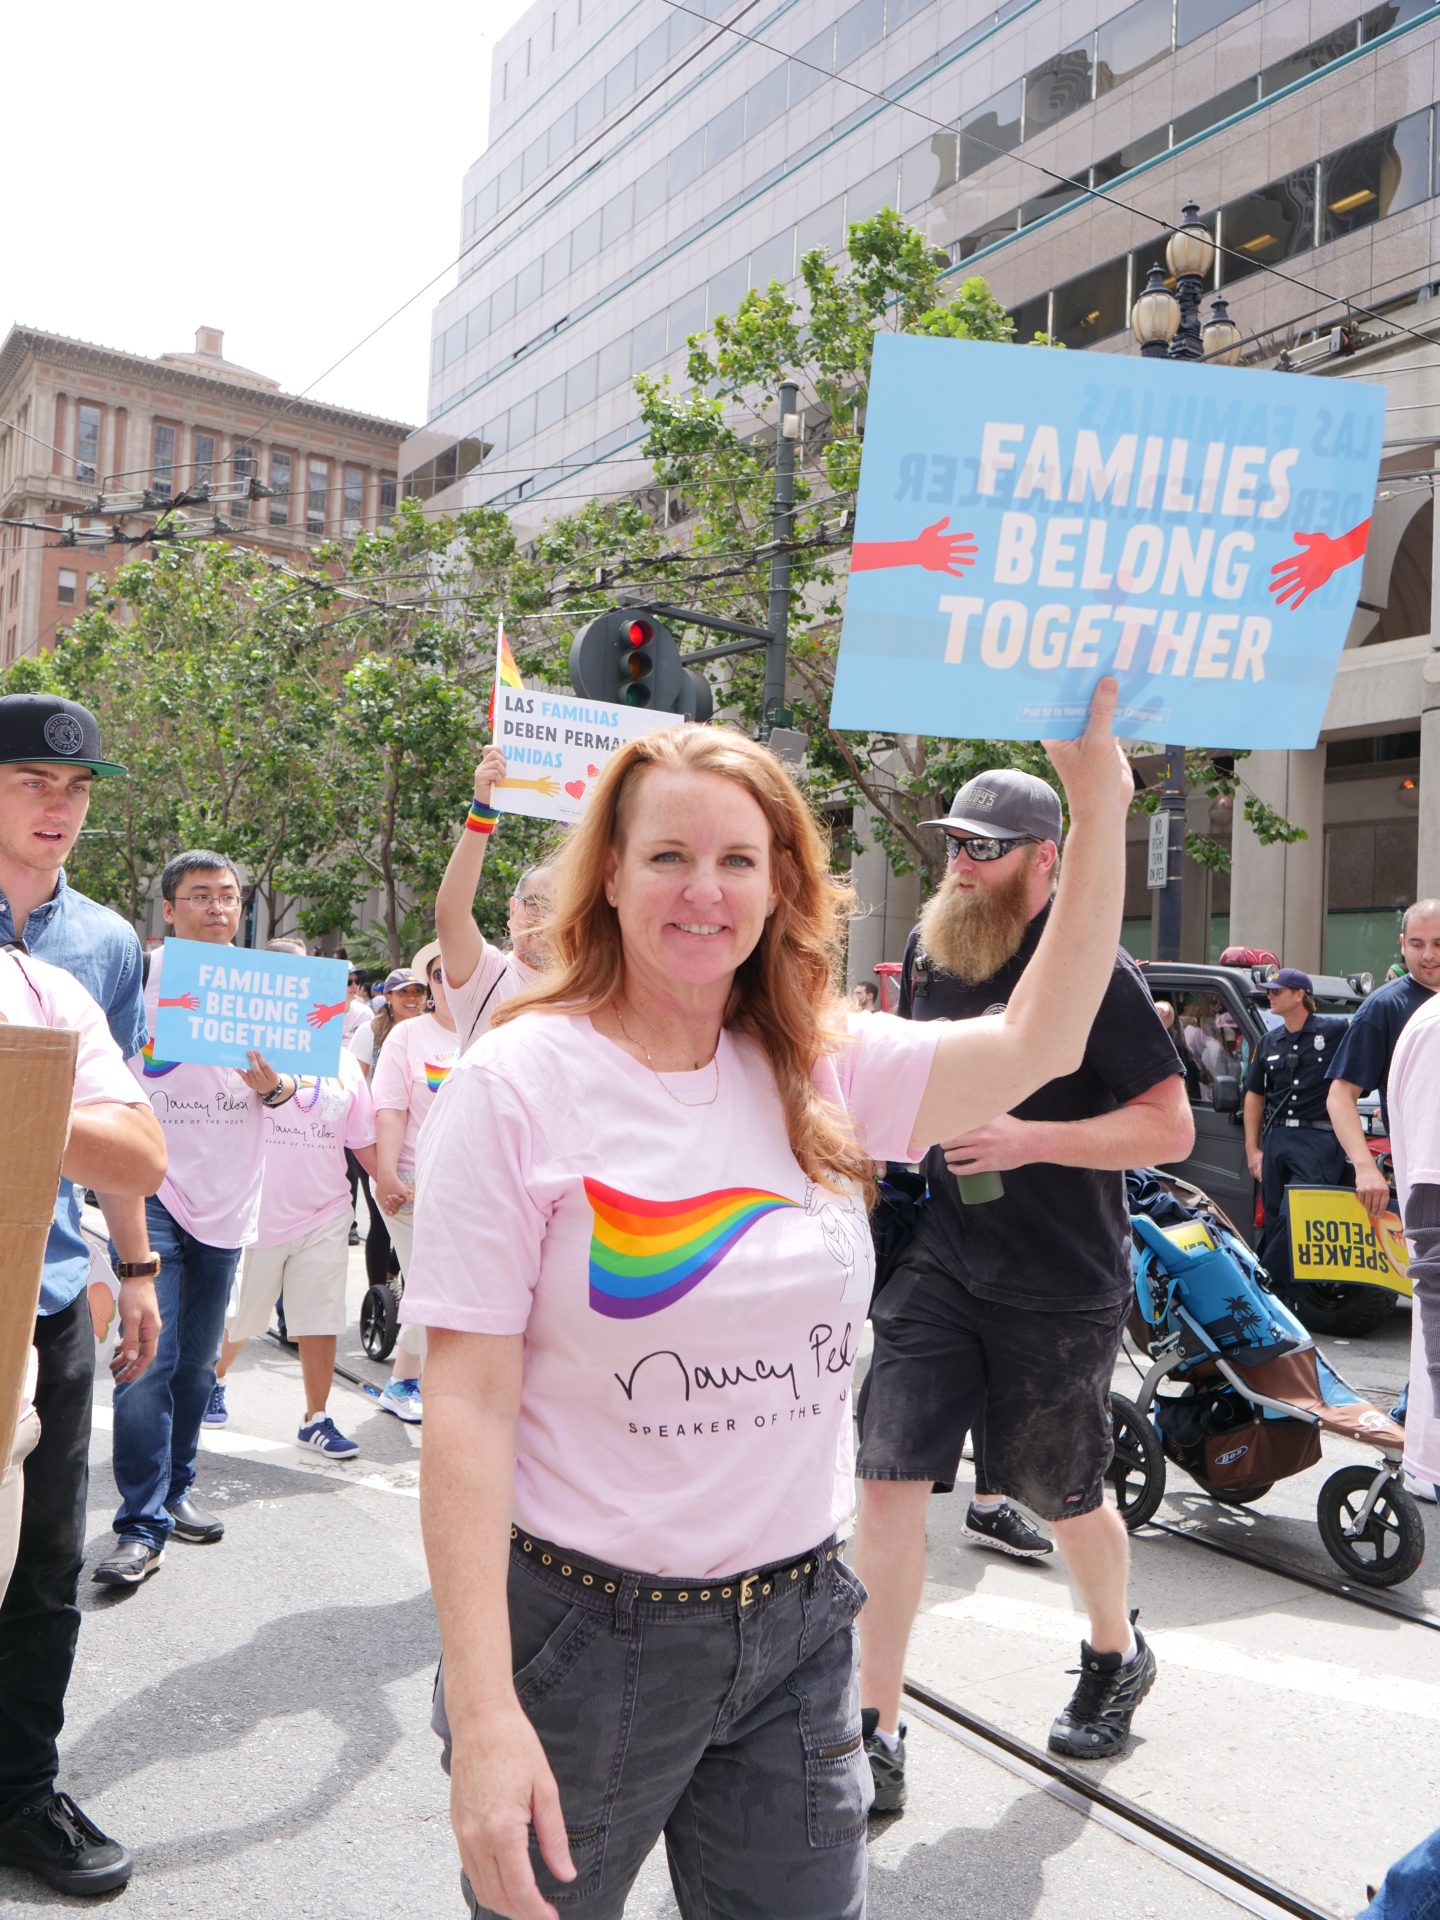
(1221, 1017)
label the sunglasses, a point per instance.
(982, 849)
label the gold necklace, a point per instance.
(655, 1070)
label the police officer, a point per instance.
(1288, 1135)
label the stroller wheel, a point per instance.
(379, 1322)
(1137, 1470)
(1390, 1545)
(1233, 1496)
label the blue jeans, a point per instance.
(729, 1725)
(157, 1417)
(1412, 1886)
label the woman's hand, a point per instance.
(489, 774)
(501, 1784)
(260, 1076)
(1096, 775)
(391, 1192)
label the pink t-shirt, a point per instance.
(213, 1134)
(35, 994)
(306, 1182)
(691, 1303)
(1413, 1102)
(498, 978)
(414, 1064)
(357, 1015)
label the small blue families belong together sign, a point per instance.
(218, 1003)
(1029, 520)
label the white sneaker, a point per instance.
(1422, 1489)
(402, 1398)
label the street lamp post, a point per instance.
(1167, 326)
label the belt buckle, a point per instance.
(747, 1589)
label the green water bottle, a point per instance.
(978, 1188)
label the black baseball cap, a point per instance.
(40, 727)
(1004, 805)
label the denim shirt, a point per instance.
(103, 953)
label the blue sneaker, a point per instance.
(325, 1437)
(402, 1398)
(216, 1412)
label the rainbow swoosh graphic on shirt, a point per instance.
(435, 1077)
(647, 1254)
(152, 1068)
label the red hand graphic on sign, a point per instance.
(185, 1000)
(319, 1014)
(1293, 580)
(932, 548)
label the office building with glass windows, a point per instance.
(649, 162)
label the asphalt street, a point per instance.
(253, 1721)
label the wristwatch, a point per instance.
(146, 1269)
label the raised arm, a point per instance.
(988, 1066)
(500, 1780)
(461, 942)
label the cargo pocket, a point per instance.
(838, 1789)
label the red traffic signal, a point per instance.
(631, 658)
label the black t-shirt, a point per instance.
(1059, 1239)
(1364, 1055)
(1290, 1069)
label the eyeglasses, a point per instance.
(533, 902)
(353, 979)
(982, 849)
(202, 898)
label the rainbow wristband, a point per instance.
(481, 819)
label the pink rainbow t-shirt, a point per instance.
(306, 1183)
(414, 1064)
(498, 978)
(691, 1304)
(213, 1133)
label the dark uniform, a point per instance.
(1291, 1071)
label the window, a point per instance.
(687, 316)
(774, 261)
(1381, 19)
(1211, 112)
(1031, 317)
(1057, 88)
(1147, 147)
(649, 339)
(650, 55)
(1309, 59)
(94, 587)
(649, 191)
(242, 466)
(687, 161)
(316, 495)
(1048, 202)
(620, 83)
(580, 384)
(980, 237)
(729, 287)
(900, 11)
(869, 195)
(590, 110)
(66, 583)
(990, 129)
(765, 102)
(203, 462)
(533, 161)
(388, 496)
(585, 242)
(522, 421)
(1214, 1040)
(282, 468)
(502, 303)
(550, 403)
(613, 363)
(162, 460)
(528, 283)
(1277, 223)
(858, 30)
(557, 261)
(927, 170)
(1194, 17)
(510, 179)
(617, 217)
(87, 442)
(1092, 306)
(353, 500)
(824, 228)
(725, 132)
(1380, 175)
(477, 325)
(1132, 41)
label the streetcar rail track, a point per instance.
(1249, 1888)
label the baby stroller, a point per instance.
(1254, 1392)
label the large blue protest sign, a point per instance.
(217, 1003)
(1029, 520)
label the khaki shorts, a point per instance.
(310, 1270)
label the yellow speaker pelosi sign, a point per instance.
(1333, 1238)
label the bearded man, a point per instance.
(1012, 1307)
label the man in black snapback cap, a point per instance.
(1008, 1309)
(50, 756)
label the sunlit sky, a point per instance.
(289, 173)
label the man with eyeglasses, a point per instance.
(205, 1213)
(1005, 1313)
(479, 977)
(1289, 1140)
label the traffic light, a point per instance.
(628, 657)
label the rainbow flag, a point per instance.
(435, 1077)
(152, 1068)
(647, 1254)
(507, 674)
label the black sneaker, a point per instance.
(1096, 1724)
(54, 1840)
(1007, 1529)
(887, 1769)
